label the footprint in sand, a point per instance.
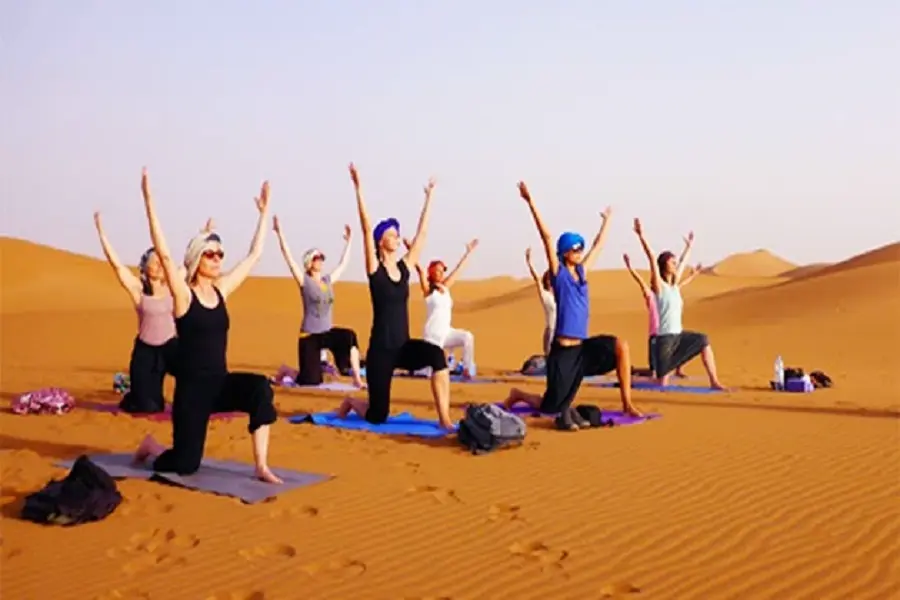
(539, 553)
(335, 568)
(293, 512)
(412, 466)
(505, 512)
(255, 595)
(153, 549)
(612, 590)
(444, 496)
(145, 505)
(269, 552)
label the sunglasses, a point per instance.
(576, 248)
(211, 254)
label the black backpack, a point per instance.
(87, 493)
(487, 427)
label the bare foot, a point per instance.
(345, 408)
(264, 474)
(358, 382)
(717, 385)
(632, 411)
(148, 447)
(515, 396)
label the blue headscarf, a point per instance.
(383, 226)
(568, 241)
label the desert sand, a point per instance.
(748, 494)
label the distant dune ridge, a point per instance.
(747, 494)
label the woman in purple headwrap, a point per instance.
(390, 346)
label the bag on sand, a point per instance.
(86, 494)
(487, 427)
(534, 365)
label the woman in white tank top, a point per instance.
(548, 301)
(436, 284)
(674, 346)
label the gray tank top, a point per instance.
(670, 306)
(318, 300)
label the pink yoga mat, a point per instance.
(161, 416)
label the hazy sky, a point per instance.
(769, 123)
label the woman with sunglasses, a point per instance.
(316, 331)
(203, 384)
(390, 346)
(573, 355)
(155, 345)
(673, 346)
(436, 284)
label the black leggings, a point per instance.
(380, 364)
(147, 369)
(673, 350)
(567, 366)
(309, 350)
(197, 398)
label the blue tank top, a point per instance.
(572, 303)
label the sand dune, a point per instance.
(759, 263)
(748, 494)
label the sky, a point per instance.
(768, 124)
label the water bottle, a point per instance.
(779, 373)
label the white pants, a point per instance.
(462, 338)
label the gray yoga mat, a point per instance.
(224, 477)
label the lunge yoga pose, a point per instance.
(573, 355)
(390, 346)
(545, 293)
(316, 331)
(203, 384)
(650, 302)
(673, 346)
(436, 284)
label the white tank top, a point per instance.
(670, 306)
(549, 303)
(438, 314)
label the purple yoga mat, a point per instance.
(166, 415)
(615, 417)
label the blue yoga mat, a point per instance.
(655, 387)
(399, 424)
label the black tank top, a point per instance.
(390, 308)
(203, 339)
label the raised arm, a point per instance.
(230, 281)
(538, 284)
(181, 294)
(418, 242)
(685, 254)
(654, 268)
(345, 256)
(451, 278)
(697, 270)
(126, 278)
(365, 223)
(419, 270)
(296, 272)
(637, 278)
(552, 259)
(599, 239)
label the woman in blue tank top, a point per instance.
(673, 346)
(203, 383)
(573, 354)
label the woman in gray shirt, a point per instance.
(316, 330)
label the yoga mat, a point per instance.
(399, 424)
(166, 415)
(616, 417)
(655, 387)
(223, 477)
(331, 386)
(453, 378)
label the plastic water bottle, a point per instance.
(779, 373)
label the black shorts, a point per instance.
(675, 349)
(381, 363)
(309, 351)
(567, 366)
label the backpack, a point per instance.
(534, 365)
(487, 427)
(87, 493)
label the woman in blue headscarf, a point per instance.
(573, 354)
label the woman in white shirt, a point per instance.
(439, 331)
(545, 292)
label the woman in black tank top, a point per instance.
(390, 346)
(203, 384)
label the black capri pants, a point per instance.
(147, 369)
(675, 349)
(309, 349)
(567, 366)
(380, 364)
(198, 397)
